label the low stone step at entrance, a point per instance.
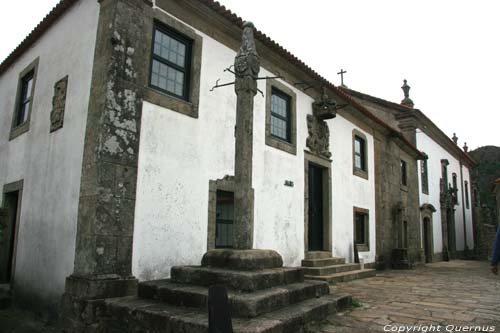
(318, 255)
(133, 314)
(323, 262)
(242, 304)
(344, 276)
(328, 270)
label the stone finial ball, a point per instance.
(248, 24)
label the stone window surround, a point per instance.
(154, 96)
(8, 188)
(356, 171)
(15, 131)
(224, 184)
(272, 141)
(357, 210)
(326, 164)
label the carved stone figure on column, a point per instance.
(319, 134)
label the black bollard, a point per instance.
(219, 316)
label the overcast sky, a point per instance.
(448, 50)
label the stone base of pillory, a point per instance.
(263, 297)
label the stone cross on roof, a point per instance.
(341, 73)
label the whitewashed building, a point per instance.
(117, 151)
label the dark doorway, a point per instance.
(8, 224)
(427, 240)
(315, 225)
(224, 220)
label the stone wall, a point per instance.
(395, 203)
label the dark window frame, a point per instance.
(365, 246)
(361, 154)
(221, 196)
(404, 173)
(18, 128)
(188, 43)
(454, 181)
(467, 201)
(288, 119)
(363, 173)
(276, 142)
(424, 175)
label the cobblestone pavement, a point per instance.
(459, 293)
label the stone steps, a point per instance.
(343, 276)
(246, 281)
(323, 262)
(318, 255)
(133, 314)
(242, 304)
(332, 269)
(329, 270)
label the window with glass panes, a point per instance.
(224, 220)
(280, 115)
(171, 61)
(467, 194)
(359, 153)
(361, 229)
(25, 99)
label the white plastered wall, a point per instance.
(49, 163)
(179, 155)
(436, 153)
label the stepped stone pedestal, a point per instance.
(263, 296)
(321, 266)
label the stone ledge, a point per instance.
(243, 305)
(246, 281)
(100, 287)
(130, 314)
(242, 259)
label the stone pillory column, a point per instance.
(247, 66)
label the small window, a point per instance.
(280, 115)
(171, 62)
(424, 173)
(466, 194)
(361, 227)
(404, 173)
(455, 189)
(24, 100)
(224, 220)
(359, 153)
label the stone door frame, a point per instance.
(426, 212)
(326, 165)
(11, 188)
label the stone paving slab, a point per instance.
(459, 293)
